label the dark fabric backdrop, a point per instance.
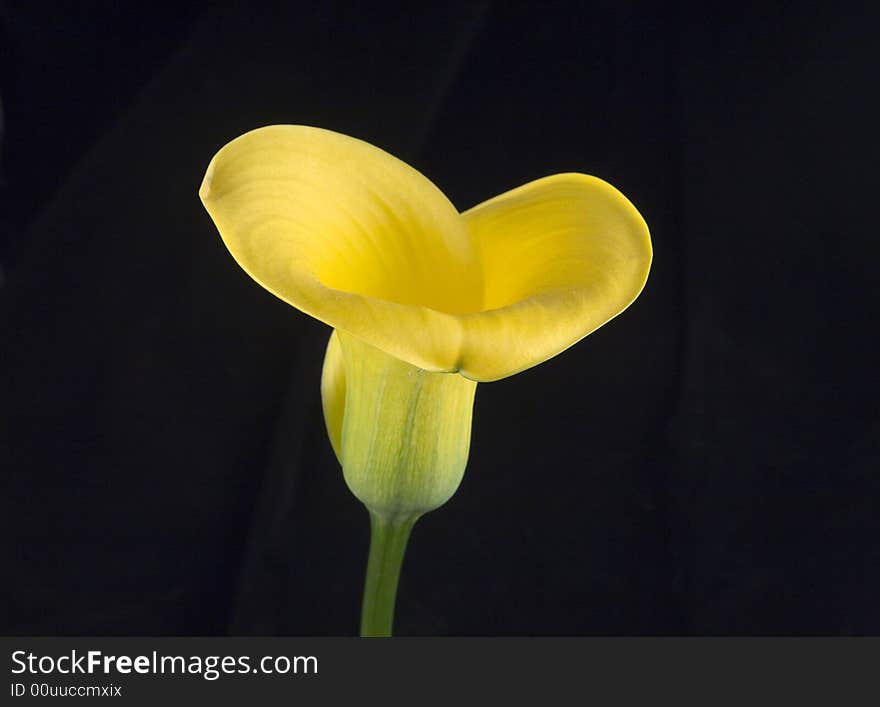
(704, 464)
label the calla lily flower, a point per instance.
(425, 302)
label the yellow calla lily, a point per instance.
(425, 301)
(356, 238)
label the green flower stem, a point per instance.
(387, 546)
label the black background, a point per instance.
(704, 464)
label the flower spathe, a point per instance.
(358, 239)
(424, 301)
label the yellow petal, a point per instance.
(560, 256)
(358, 239)
(333, 393)
(350, 235)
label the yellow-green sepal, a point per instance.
(402, 434)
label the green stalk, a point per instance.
(387, 547)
